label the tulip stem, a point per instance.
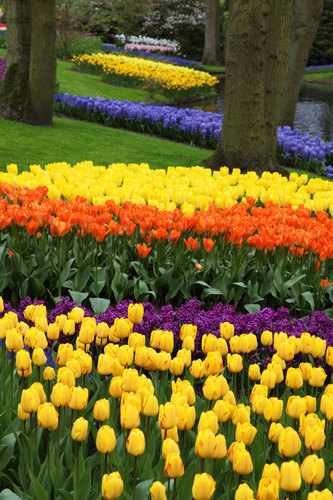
(202, 465)
(134, 477)
(11, 376)
(234, 376)
(183, 442)
(48, 463)
(168, 488)
(214, 463)
(38, 373)
(147, 432)
(230, 483)
(77, 470)
(105, 386)
(174, 489)
(106, 463)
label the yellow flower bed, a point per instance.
(167, 76)
(177, 187)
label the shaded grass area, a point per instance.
(319, 76)
(74, 141)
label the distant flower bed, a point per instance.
(149, 48)
(189, 125)
(148, 40)
(326, 68)
(161, 57)
(177, 83)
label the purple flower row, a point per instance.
(189, 124)
(207, 320)
(179, 61)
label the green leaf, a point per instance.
(38, 287)
(176, 285)
(78, 297)
(252, 308)
(142, 489)
(309, 299)
(82, 276)
(292, 281)
(329, 312)
(38, 490)
(8, 495)
(99, 305)
(7, 445)
(66, 271)
(240, 284)
(211, 291)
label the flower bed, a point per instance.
(149, 48)
(228, 413)
(189, 125)
(139, 251)
(179, 61)
(3, 67)
(178, 83)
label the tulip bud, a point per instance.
(112, 486)
(211, 388)
(197, 368)
(77, 398)
(170, 433)
(174, 466)
(66, 376)
(22, 415)
(157, 491)
(329, 356)
(101, 410)
(65, 352)
(105, 364)
(294, 378)
(268, 488)
(221, 447)
(274, 432)
(135, 443)
(286, 351)
(271, 471)
(123, 327)
(317, 377)
(150, 405)
(115, 388)
(79, 429)
(169, 446)
(48, 374)
(222, 410)
(203, 487)
(213, 363)
(205, 444)
(53, 331)
(227, 330)
(289, 442)
(208, 420)
(268, 378)
(290, 479)
(60, 394)
(313, 469)
(135, 312)
(314, 438)
(245, 432)
(14, 341)
(47, 416)
(188, 343)
(188, 331)
(295, 406)
(30, 400)
(242, 462)
(129, 416)
(69, 327)
(244, 492)
(266, 338)
(105, 439)
(254, 372)
(168, 416)
(273, 409)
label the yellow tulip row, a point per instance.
(166, 75)
(177, 187)
(136, 394)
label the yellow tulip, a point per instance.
(203, 487)
(112, 486)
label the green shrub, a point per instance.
(75, 44)
(322, 49)
(3, 41)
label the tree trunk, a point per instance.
(257, 52)
(15, 92)
(278, 43)
(212, 53)
(242, 142)
(43, 61)
(305, 22)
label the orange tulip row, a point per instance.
(265, 228)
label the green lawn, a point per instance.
(74, 141)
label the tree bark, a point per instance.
(278, 43)
(15, 92)
(305, 22)
(212, 53)
(43, 61)
(255, 68)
